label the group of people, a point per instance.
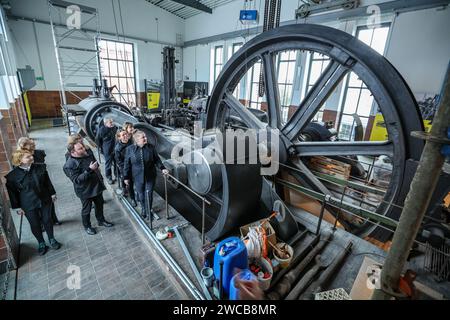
(126, 152)
(134, 159)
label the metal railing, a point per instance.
(204, 201)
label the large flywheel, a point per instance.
(346, 57)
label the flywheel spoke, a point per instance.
(344, 148)
(315, 98)
(305, 176)
(272, 94)
(246, 116)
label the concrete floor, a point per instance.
(114, 264)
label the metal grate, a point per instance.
(437, 262)
(335, 294)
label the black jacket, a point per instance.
(86, 182)
(29, 189)
(106, 139)
(141, 169)
(39, 156)
(119, 154)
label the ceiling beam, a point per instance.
(194, 4)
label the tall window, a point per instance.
(234, 48)
(357, 97)
(117, 66)
(218, 61)
(317, 64)
(255, 100)
(286, 71)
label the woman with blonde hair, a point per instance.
(128, 127)
(32, 193)
(25, 143)
(28, 144)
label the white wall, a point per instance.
(420, 48)
(139, 20)
(9, 86)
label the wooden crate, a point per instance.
(331, 167)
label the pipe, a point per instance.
(192, 263)
(285, 285)
(295, 261)
(418, 198)
(175, 267)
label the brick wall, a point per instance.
(13, 125)
(47, 104)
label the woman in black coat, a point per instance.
(27, 144)
(141, 161)
(123, 141)
(32, 193)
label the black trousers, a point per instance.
(110, 164)
(40, 216)
(128, 190)
(141, 191)
(54, 217)
(86, 210)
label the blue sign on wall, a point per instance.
(248, 16)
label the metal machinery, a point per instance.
(238, 192)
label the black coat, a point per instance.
(86, 182)
(106, 139)
(119, 154)
(29, 189)
(141, 169)
(39, 156)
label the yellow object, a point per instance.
(186, 101)
(27, 106)
(379, 132)
(447, 201)
(153, 100)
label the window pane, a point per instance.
(112, 50)
(218, 69)
(114, 81)
(351, 101)
(218, 55)
(354, 81)
(316, 71)
(121, 68)
(120, 51)
(113, 68)
(365, 103)
(283, 72)
(282, 90)
(287, 97)
(346, 128)
(285, 55)
(130, 69)
(365, 35)
(379, 39)
(291, 72)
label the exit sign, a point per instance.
(248, 16)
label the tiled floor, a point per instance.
(114, 264)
